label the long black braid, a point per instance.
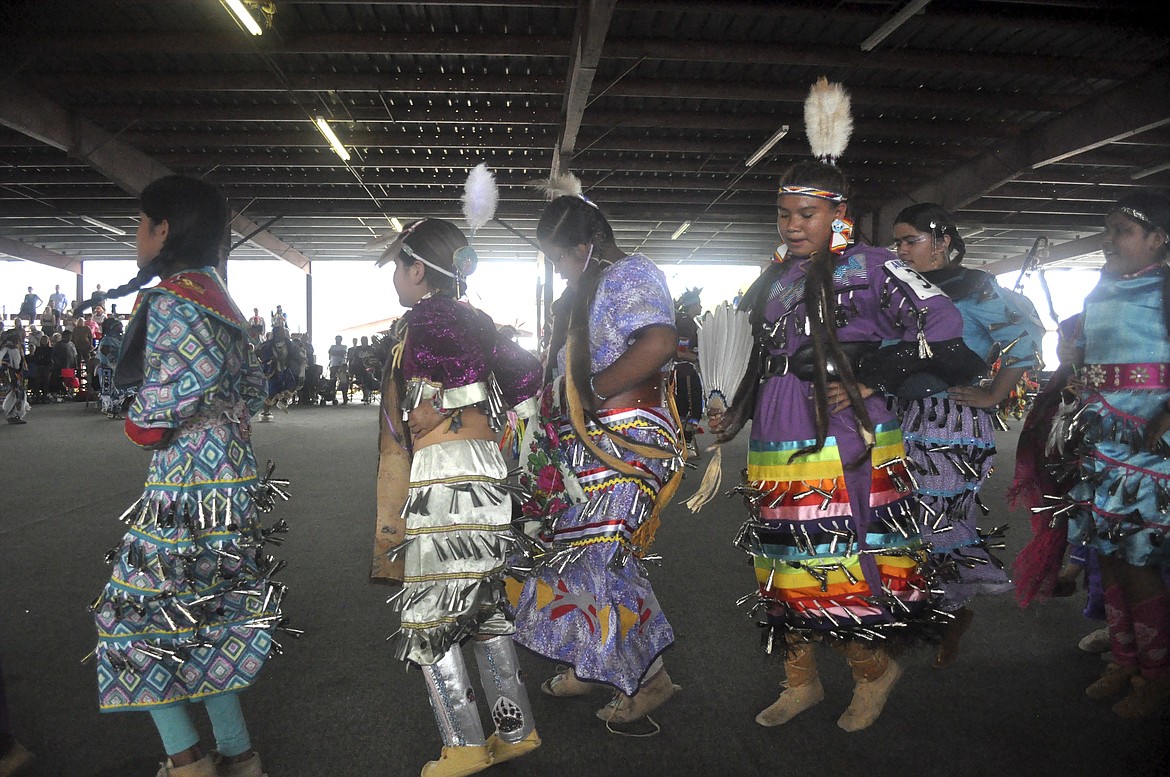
(144, 276)
(572, 221)
(820, 301)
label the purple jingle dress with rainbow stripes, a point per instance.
(836, 550)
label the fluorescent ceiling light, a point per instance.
(103, 225)
(327, 131)
(394, 222)
(764, 149)
(678, 232)
(242, 16)
(895, 21)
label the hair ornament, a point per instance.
(560, 185)
(480, 197)
(464, 261)
(1138, 216)
(828, 120)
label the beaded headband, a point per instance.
(809, 191)
(1137, 215)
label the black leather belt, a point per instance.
(803, 362)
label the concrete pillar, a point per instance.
(80, 296)
(309, 302)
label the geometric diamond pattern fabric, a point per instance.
(189, 607)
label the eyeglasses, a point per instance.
(908, 241)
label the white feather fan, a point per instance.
(725, 348)
(725, 351)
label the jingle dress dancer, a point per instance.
(112, 398)
(189, 611)
(950, 430)
(838, 555)
(603, 461)
(1122, 498)
(459, 378)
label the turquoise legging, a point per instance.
(227, 723)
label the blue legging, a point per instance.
(227, 723)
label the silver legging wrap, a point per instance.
(507, 696)
(453, 700)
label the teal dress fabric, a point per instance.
(1124, 491)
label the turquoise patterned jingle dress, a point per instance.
(190, 607)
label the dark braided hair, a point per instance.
(820, 301)
(572, 221)
(929, 218)
(197, 218)
(436, 241)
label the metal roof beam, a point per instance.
(533, 85)
(1120, 112)
(545, 46)
(1072, 249)
(589, 38)
(50, 123)
(39, 255)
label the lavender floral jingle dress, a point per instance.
(593, 606)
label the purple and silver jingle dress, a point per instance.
(837, 552)
(952, 447)
(190, 608)
(458, 511)
(593, 607)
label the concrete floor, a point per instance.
(337, 705)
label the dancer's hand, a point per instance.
(973, 396)
(839, 399)
(424, 419)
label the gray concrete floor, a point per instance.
(337, 705)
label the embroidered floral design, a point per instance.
(1139, 375)
(1094, 375)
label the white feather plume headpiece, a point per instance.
(559, 185)
(480, 197)
(828, 120)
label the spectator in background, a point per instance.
(57, 303)
(49, 319)
(40, 368)
(82, 339)
(359, 368)
(92, 324)
(28, 306)
(338, 371)
(337, 353)
(279, 318)
(256, 322)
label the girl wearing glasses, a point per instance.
(950, 430)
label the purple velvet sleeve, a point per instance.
(448, 343)
(518, 372)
